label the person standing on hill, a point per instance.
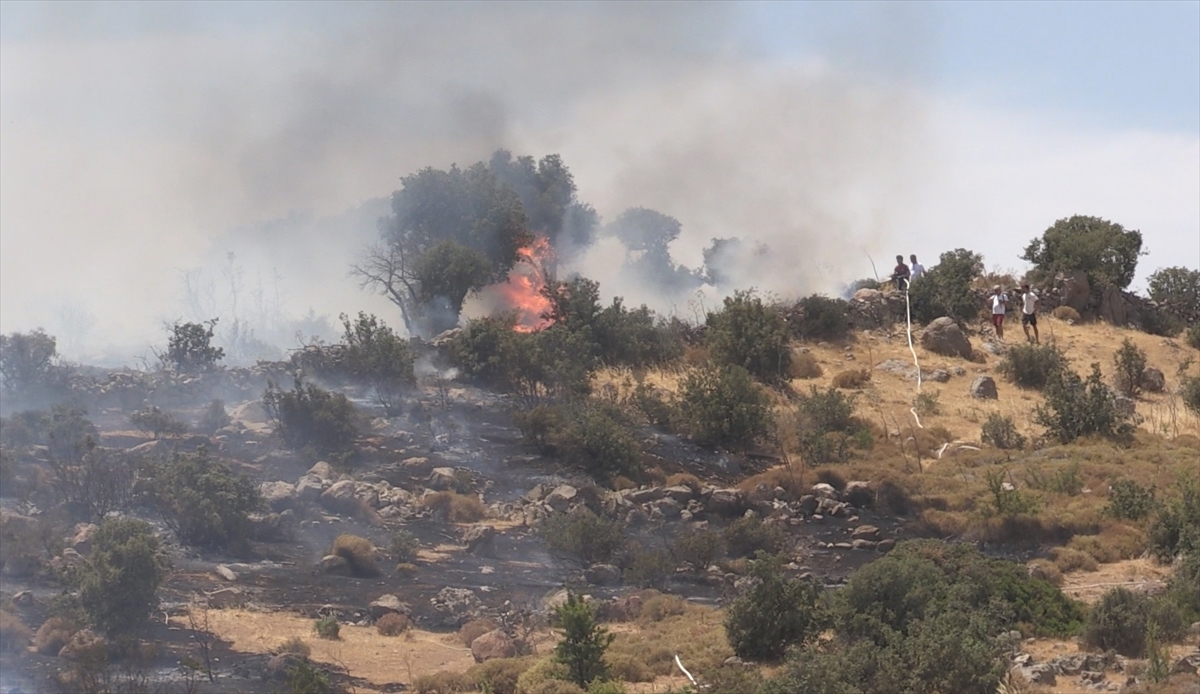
(917, 268)
(900, 275)
(999, 308)
(1029, 307)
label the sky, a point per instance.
(143, 143)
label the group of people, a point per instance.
(904, 275)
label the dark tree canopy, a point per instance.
(945, 288)
(1104, 250)
(1177, 290)
(642, 229)
(548, 195)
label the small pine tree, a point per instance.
(583, 642)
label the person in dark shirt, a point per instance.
(900, 274)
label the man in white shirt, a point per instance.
(999, 308)
(917, 269)
(1029, 306)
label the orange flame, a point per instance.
(522, 293)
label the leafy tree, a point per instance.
(1104, 250)
(29, 365)
(583, 643)
(1177, 291)
(1118, 622)
(775, 614)
(119, 581)
(446, 274)
(1075, 407)
(1176, 528)
(190, 348)
(311, 416)
(723, 406)
(548, 197)
(157, 423)
(1130, 363)
(749, 334)
(205, 502)
(945, 288)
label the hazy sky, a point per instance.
(140, 140)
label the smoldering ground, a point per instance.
(144, 143)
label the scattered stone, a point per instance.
(322, 470)
(24, 599)
(644, 496)
(555, 600)
(984, 388)
(81, 539)
(885, 546)
(441, 479)
(1042, 673)
(602, 575)
(943, 336)
(867, 295)
(388, 604)
(226, 598)
(865, 545)
(225, 573)
(1189, 664)
(416, 466)
(339, 498)
(480, 540)
(807, 504)
(897, 367)
(493, 644)
(866, 532)
(824, 490)
(937, 375)
(562, 497)
(333, 564)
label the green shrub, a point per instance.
(657, 408)
(118, 583)
(648, 568)
(1033, 366)
(636, 338)
(775, 614)
(480, 350)
(1130, 363)
(1175, 530)
(214, 418)
(1128, 499)
(1075, 408)
(1118, 622)
(1177, 291)
(69, 434)
(443, 683)
(945, 288)
(749, 334)
(190, 348)
(1007, 500)
(1103, 250)
(1062, 480)
(1193, 336)
(583, 536)
(306, 678)
(723, 407)
(928, 403)
(1183, 588)
(358, 552)
(499, 675)
(327, 627)
(157, 423)
(822, 318)
(375, 354)
(656, 608)
(583, 642)
(206, 503)
(697, 549)
(592, 435)
(311, 416)
(1189, 391)
(404, 546)
(827, 427)
(999, 431)
(747, 536)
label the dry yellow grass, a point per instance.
(379, 659)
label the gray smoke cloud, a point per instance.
(142, 144)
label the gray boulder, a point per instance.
(493, 644)
(943, 336)
(984, 388)
(340, 498)
(388, 604)
(1153, 380)
(480, 540)
(602, 575)
(279, 495)
(562, 497)
(441, 479)
(309, 488)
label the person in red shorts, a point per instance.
(999, 307)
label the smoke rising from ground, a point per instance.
(149, 148)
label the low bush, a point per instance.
(805, 366)
(358, 552)
(658, 607)
(14, 635)
(593, 435)
(118, 583)
(376, 355)
(821, 318)
(583, 536)
(475, 628)
(547, 677)
(747, 536)
(53, 635)
(205, 502)
(658, 408)
(310, 416)
(1046, 570)
(1118, 622)
(392, 624)
(647, 568)
(1130, 366)
(1033, 366)
(327, 627)
(749, 334)
(306, 678)
(1115, 542)
(999, 431)
(296, 646)
(214, 418)
(928, 403)
(1181, 588)
(157, 423)
(1063, 479)
(443, 683)
(404, 546)
(1192, 336)
(776, 613)
(697, 549)
(1075, 407)
(1066, 314)
(852, 379)
(455, 507)
(1175, 529)
(626, 668)
(827, 427)
(723, 407)
(1068, 560)
(499, 675)
(1128, 499)
(1189, 392)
